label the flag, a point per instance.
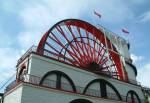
(97, 14)
(125, 31)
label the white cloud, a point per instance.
(136, 58)
(27, 39)
(112, 13)
(6, 38)
(145, 17)
(8, 61)
(9, 57)
(144, 75)
(38, 17)
(6, 78)
(35, 16)
(45, 13)
(6, 75)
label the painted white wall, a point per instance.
(125, 51)
(41, 65)
(14, 97)
(131, 73)
(33, 94)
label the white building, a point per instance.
(76, 62)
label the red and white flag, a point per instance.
(97, 14)
(125, 31)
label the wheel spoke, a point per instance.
(80, 44)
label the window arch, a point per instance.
(59, 80)
(102, 88)
(80, 101)
(21, 72)
(132, 97)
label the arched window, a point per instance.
(132, 97)
(22, 72)
(59, 80)
(80, 101)
(102, 88)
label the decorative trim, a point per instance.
(59, 74)
(132, 94)
(103, 84)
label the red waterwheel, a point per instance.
(80, 44)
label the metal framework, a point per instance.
(81, 44)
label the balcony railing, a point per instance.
(34, 80)
(31, 49)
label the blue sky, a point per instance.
(22, 24)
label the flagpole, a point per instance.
(125, 35)
(99, 16)
(103, 30)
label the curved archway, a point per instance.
(21, 72)
(132, 97)
(80, 101)
(59, 84)
(104, 85)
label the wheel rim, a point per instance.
(80, 44)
